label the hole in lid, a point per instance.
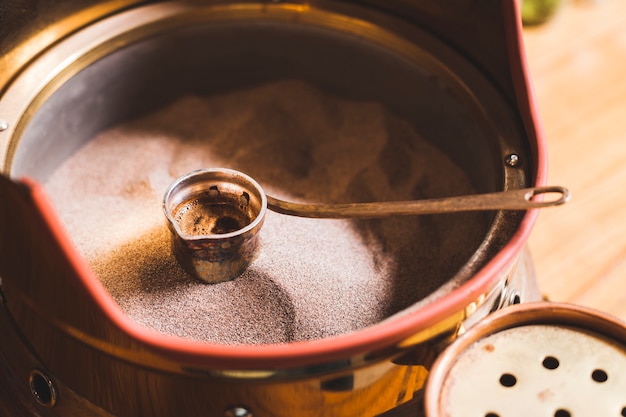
(508, 380)
(599, 375)
(550, 362)
(624, 412)
(562, 413)
(492, 415)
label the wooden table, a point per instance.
(578, 65)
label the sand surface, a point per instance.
(313, 278)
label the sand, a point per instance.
(313, 278)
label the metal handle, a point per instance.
(521, 199)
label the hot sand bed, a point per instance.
(313, 278)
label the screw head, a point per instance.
(237, 412)
(513, 160)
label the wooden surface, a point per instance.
(577, 63)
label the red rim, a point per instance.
(345, 346)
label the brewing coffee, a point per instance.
(313, 278)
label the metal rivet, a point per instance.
(42, 387)
(512, 160)
(4, 125)
(237, 412)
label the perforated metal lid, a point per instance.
(542, 359)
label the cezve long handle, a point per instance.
(520, 199)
